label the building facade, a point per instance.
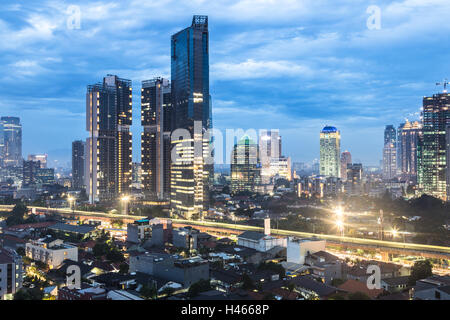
(78, 161)
(389, 161)
(346, 158)
(408, 137)
(191, 173)
(330, 152)
(109, 146)
(51, 252)
(12, 141)
(432, 146)
(156, 114)
(245, 167)
(11, 271)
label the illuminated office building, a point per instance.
(42, 158)
(109, 146)
(390, 153)
(269, 154)
(245, 167)
(156, 104)
(346, 158)
(191, 175)
(432, 146)
(330, 152)
(407, 139)
(12, 142)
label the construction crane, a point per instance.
(445, 83)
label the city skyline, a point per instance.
(251, 57)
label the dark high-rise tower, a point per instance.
(390, 135)
(190, 173)
(390, 152)
(12, 141)
(432, 153)
(245, 167)
(78, 164)
(109, 146)
(156, 104)
(407, 137)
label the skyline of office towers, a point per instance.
(407, 139)
(42, 158)
(190, 174)
(270, 146)
(12, 142)
(432, 146)
(447, 138)
(330, 152)
(245, 166)
(156, 115)
(109, 146)
(346, 158)
(78, 164)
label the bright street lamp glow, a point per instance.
(125, 198)
(394, 233)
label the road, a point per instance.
(388, 246)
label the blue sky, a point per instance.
(290, 65)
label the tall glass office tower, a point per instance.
(156, 112)
(431, 151)
(12, 141)
(190, 174)
(407, 138)
(330, 152)
(245, 167)
(109, 146)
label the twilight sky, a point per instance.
(276, 64)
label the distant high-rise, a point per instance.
(109, 146)
(407, 139)
(30, 169)
(78, 164)
(346, 158)
(390, 152)
(353, 185)
(12, 141)
(389, 161)
(156, 104)
(390, 135)
(245, 167)
(42, 158)
(447, 138)
(330, 152)
(269, 153)
(190, 173)
(431, 150)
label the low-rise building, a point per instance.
(298, 249)
(51, 252)
(86, 292)
(260, 241)
(432, 288)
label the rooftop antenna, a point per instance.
(445, 83)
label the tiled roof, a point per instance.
(352, 286)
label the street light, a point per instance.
(125, 200)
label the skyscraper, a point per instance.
(346, 158)
(245, 167)
(407, 139)
(353, 185)
(78, 164)
(390, 135)
(389, 161)
(447, 138)
(190, 173)
(269, 153)
(390, 152)
(156, 104)
(432, 153)
(109, 146)
(12, 141)
(330, 152)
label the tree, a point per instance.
(198, 287)
(247, 282)
(149, 292)
(422, 269)
(17, 215)
(123, 268)
(337, 282)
